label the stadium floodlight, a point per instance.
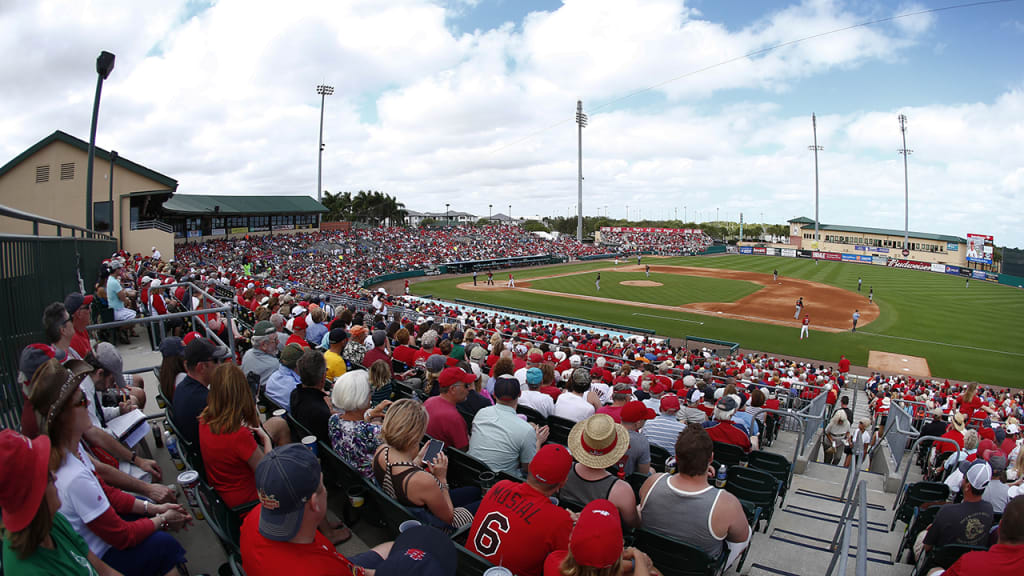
(509, 214)
(324, 91)
(906, 186)
(490, 209)
(581, 123)
(104, 66)
(447, 218)
(816, 148)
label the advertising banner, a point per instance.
(880, 260)
(991, 276)
(979, 274)
(910, 265)
(827, 256)
(954, 270)
(849, 257)
(952, 247)
(979, 248)
(746, 249)
(218, 231)
(867, 259)
(759, 250)
(965, 271)
(284, 227)
(239, 230)
(259, 228)
(788, 252)
(195, 233)
(860, 247)
(771, 251)
(803, 253)
(940, 268)
(651, 230)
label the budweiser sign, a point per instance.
(910, 265)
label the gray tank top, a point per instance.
(584, 491)
(685, 516)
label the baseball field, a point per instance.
(917, 323)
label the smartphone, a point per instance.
(434, 447)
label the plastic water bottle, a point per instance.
(171, 441)
(720, 477)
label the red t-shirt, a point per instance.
(1000, 560)
(553, 391)
(614, 411)
(968, 408)
(553, 561)
(728, 433)
(226, 457)
(517, 527)
(942, 447)
(296, 339)
(445, 423)
(844, 365)
(405, 355)
(80, 343)
(264, 557)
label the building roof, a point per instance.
(801, 220)
(884, 232)
(101, 155)
(241, 205)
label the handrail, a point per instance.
(800, 433)
(862, 530)
(151, 224)
(934, 439)
(37, 219)
(841, 554)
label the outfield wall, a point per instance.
(881, 260)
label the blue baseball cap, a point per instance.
(286, 479)
(420, 551)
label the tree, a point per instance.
(534, 226)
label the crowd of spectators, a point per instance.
(639, 240)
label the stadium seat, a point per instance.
(921, 519)
(914, 495)
(943, 557)
(387, 512)
(756, 487)
(188, 451)
(559, 430)
(226, 522)
(658, 457)
(465, 470)
(728, 454)
(676, 558)
(532, 416)
(775, 464)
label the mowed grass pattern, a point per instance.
(675, 290)
(972, 333)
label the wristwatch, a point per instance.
(135, 456)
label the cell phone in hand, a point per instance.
(434, 447)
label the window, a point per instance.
(42, 173)
(67, 171)
(102, 220)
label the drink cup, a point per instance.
(407, 525)
(357, 496)
(497, 571)
(310, 442)
(280, 412)
(189, 482)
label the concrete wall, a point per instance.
(142, 242)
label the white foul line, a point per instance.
(668, 318)
(942, 343)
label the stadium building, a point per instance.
(137, 205)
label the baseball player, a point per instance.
(871, 294)
(407, 287)
(859, 281)
(490, 278)
(597, 282)
(799, 307)
(638, 255)
(647, 270)
(511, 281)
(803, 327)
(775, 275)
(474, 277)
(856, 317)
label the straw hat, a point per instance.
(959, 422)
(598, 442)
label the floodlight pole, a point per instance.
(816, 148)
(104, 66)
(906, 186)
(324, 91)
(581, 123)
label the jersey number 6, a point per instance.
(488, 537)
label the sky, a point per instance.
(472, 103)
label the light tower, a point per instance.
(324, 91)
(581, 123)
(816, 148)
(906, 187)
(104, 66)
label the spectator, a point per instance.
(1003, 559)
(712, 515)
(261, 359)
(837, 436)
(664, 429)
(502, 440)
(58, 329)
(530, 526)
(446, 424)
(379, 350)
(858, 441)
(966, 523)
(172, 367)
(201, 359)
(955, 432)
(380, 382)
(317, 329)
(532, 397)
(298, 328)
(79, 309)
(309, 401)
(282, 383)
(723, 429)
(578, 402)
(118, 298)
(280, 535)
(278, 321)
(689, 412)
(997, 493)
(355, 432)
(598, 443)
(398, 469)
(37, 538)
(136, 547)
(621, 394)
(638, 457)
(595, 547)
(547, 384)
(227, 428)
(355, 350)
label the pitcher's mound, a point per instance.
(898, 364)
(640, 283)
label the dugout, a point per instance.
(720, 347)
(467, 266)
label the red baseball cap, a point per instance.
(22, 493)
(453, 375)
(636, 411)
(658, 388)
(670, 402)
(551, 464)
(535, 358)
(596, 540)
(190, 337)
(299, 323)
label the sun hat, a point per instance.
(959, 422)
(290, 355)
(453, 375)
(596, 539)
(286, 478)
(53, 385)
(420, 551)
(21, 493)
(636, 411)
(598, 442)
(478, 353)
(551, 464)
(979, 475)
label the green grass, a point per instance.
(675, 290)
(974, 333)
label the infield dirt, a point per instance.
(829, 308)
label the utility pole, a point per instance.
(906, 187)
(581, 123)
(816, 148)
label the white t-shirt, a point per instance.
(82, 499)
(89, 390)
(539, 401)
(573, 407)
(603, 391)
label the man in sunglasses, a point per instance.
(201, 358)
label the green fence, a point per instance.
(1011, 280)
(396, 276)
(536, 314)
(35, 271)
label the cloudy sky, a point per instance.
(472, 102)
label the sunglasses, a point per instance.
(83, 401)
(53, 477)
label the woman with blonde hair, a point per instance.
(422, 487)
(380, 382)
(228, 429)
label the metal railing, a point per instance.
(841, 554)
(37, 220)
(917, 446)
(152, 225)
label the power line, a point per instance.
(753, 53)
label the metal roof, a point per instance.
(885, 232)
(801, 220)
(241, 205)
(101, 154)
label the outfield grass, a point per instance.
(675, 290)
(974, 333)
